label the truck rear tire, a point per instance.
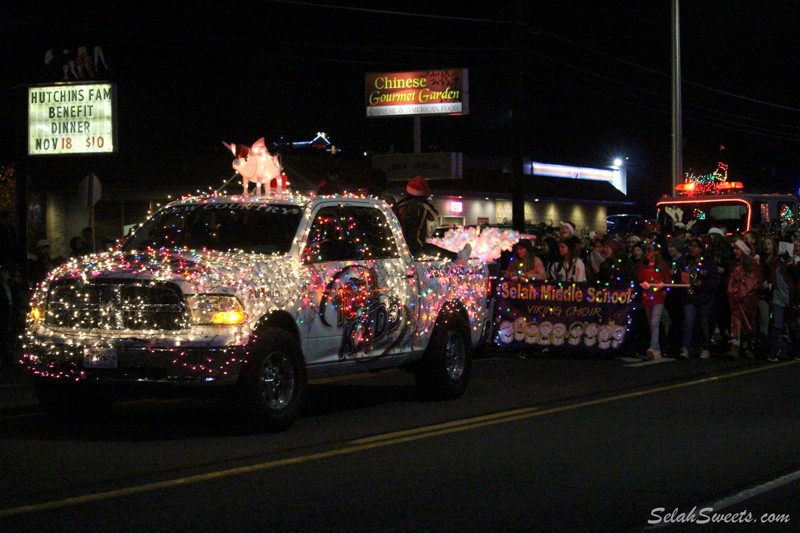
(274, 384)
(444, 370)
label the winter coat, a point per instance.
(654, 274)
(744, 291)
(616, 269)
(703, 279)
(414, 213)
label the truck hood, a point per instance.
(194, 271)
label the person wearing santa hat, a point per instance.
(567, 229)
(415, 212)
(744, 289)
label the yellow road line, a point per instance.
(377, 441)
(457, 424)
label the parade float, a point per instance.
(248, 296)
(711, 200)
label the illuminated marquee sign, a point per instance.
(615, 176)
(431, 92)
(72, 118)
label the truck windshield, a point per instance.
(729, 214)
(260, 228)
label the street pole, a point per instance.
(20, 103)
(417, 134)
(677, 125)
(519, 129)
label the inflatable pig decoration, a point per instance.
(255, 164)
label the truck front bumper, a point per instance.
(198, 361)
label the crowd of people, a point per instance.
(731, 295)
(16, 282)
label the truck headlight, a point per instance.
(219, 310)
(36, 314)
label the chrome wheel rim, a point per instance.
(455, 355)
(278, 380)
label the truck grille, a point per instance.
(117, 304)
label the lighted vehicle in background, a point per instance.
(621, 224)
(704, 203)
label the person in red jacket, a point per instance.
(744, 290)
(653, 274)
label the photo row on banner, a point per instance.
(574, 317)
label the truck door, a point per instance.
(359, 294)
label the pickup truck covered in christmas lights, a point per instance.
(250, 297)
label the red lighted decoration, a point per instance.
(714, 183)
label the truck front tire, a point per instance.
(444, 370)
(274, 385)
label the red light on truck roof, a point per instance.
(691, 188)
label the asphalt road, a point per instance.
(535, 445)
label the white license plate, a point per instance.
(99, 357)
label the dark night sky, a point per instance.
(597, 78)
